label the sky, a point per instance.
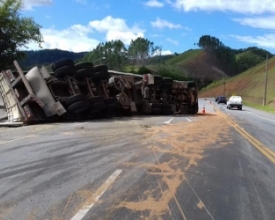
(175, 25)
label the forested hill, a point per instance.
(48, 56)
(211, 60)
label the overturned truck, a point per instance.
(84, 91)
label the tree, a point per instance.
(141, 49)
(114, 53)
(15, 32)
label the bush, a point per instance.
(143, 70)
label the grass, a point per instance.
(265, 108)
(249, 84)
(131, 68)
(214, 84)
(185, 57)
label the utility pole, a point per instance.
(265, 83)
(223, 86)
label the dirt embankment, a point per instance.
(203, 67)
(249, 85)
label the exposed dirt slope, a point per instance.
(249, 85)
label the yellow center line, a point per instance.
(257, 144)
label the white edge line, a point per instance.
(261, 117)
(169, 121)
(101, 190)
(188, 119)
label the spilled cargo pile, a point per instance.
(84, 91)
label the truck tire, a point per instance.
(96, 99)
(100, 68)
(64, 71)
(98, 107)
(79, 107)
(83, 73)
(156, 106)
(157, 81)
(167, 111)
(167, 80)
(156, 111)
(61, 63)
(83, 65)
(111, 100)
(112, 107)
(193, 109)
(166, 106)
(100, 76)
(76, 98)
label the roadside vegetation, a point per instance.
(15, 32)
(249, 85)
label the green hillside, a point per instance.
(47, 56)
(184, 57)
(250, 57)
(249, 84)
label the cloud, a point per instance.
(83, 2)
(78, 38)
(116, 28)
(166, 52)
(29, 4)
(172, 41)
(160, 23)
(267, 40)
(239, 6)
(75, 38)
(266, 22)
(154, 3)
(156, 35)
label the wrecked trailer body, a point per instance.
(84, 91)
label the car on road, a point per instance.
(235, 102)
(216, 99)
(221, 99)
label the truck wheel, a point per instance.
(98, 107)
(79, 107)
(156, 106)
(83, 73)
(157, 81)
(64, 71)
(76, 98)
(100, 76)
(111, 100)
(113, 106)
(166, 106)
(194, 109)
(167, 111)
(96, 99)
(100, 68)
(167, 83)
(61, 63)
(83, 65)
(156, 111)
(241, 108)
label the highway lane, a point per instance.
(166, 167)
(259, 124)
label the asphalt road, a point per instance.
(218, 165)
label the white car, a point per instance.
(235, 102)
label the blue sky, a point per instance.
(175, 25)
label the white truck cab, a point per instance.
(235, 102)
